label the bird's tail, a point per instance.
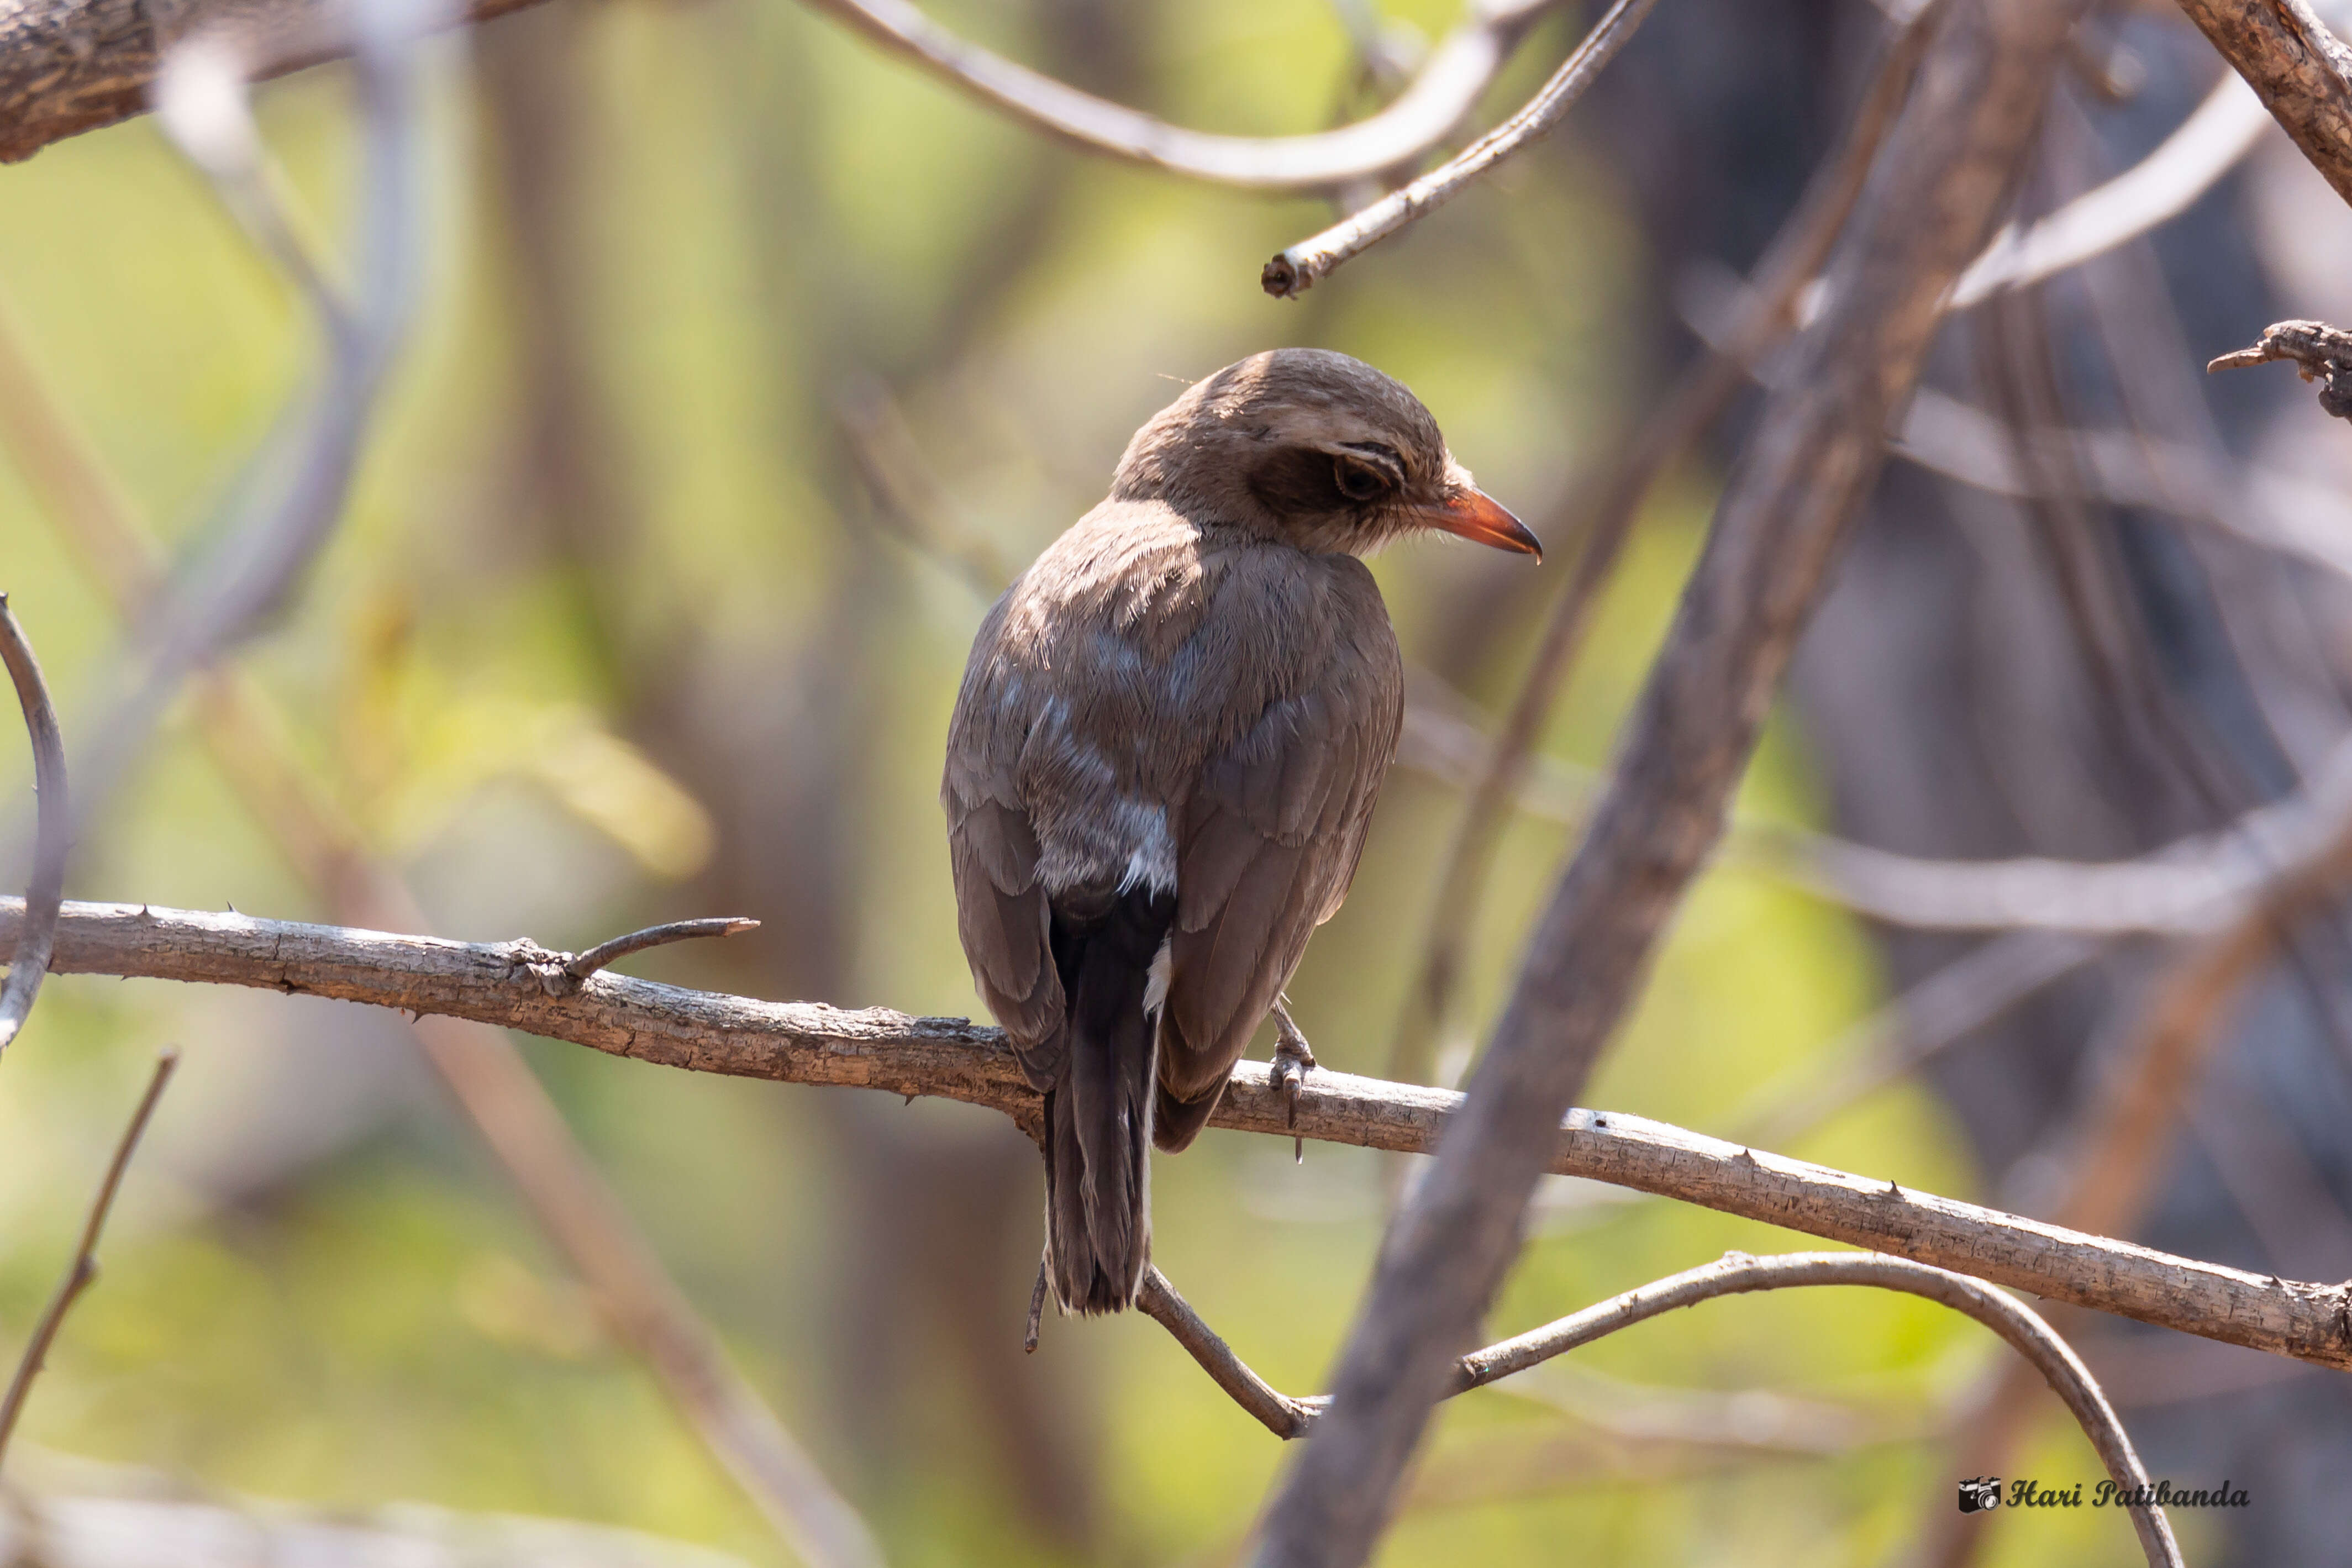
(1099, 1112)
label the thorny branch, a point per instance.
(1294, 271)
(799, 1042)
(83, 1271)
(52, 828)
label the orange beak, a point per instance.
(1476, 515)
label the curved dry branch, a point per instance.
(1737, 1272)
(800, 1042)
(1439, 97)
(53, 827)
(2217, 136)
(1294, 271)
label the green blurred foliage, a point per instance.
(765, 207)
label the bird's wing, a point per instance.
(1271, 833)
(1001, 911)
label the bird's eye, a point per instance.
(1358, 480)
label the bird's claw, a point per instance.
(1292, 1059)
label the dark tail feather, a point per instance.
(1099, 1112)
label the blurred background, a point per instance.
(750, 365)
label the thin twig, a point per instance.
(83, 1271)
(875, 1048)
(53, 827)
(1603, 514)
(2319, 352)
(1294, 271)
(587, 964)
(1444, 92)
(1281, 1415)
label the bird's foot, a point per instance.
(1292, 1059)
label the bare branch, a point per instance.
(71, 66)
(1439, 97)
(1294, 271)
(800, 1042)
(1736, 1273)
(53, 827)
(2319, 352)
(2300, 69)
(1281, 1415)
(1948, 165)
(2213, 139)
(1601, 514)
(83, 1271)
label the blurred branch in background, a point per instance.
(135, 1519)
(1438, 100)
(292, 495)
(52, 828)
(509, 983)
(1948, 165)
(83, 1271)
(482, 1069)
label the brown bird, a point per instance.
(1164, 757)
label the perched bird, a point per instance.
(1164, 756)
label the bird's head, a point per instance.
(1316, 449)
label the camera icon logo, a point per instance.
(1978, 1493)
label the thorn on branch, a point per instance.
(2319, 352)
(597, 957)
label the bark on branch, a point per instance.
(2300, 69)
(71, 66)
(522, 985)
